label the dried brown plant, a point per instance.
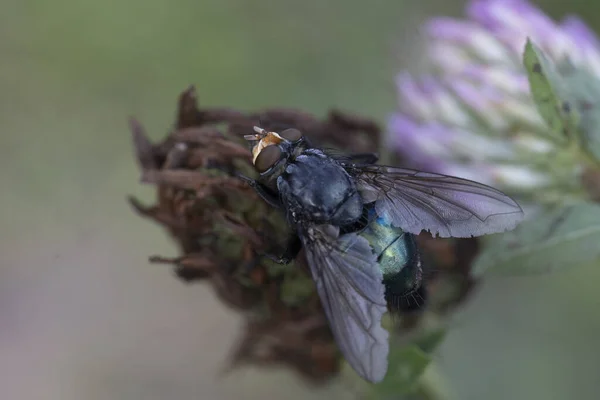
(221, 227)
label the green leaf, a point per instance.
(562, 237)
(550, 95)
(406, 365)
(430, 339)
(296, 288)
(584, 88)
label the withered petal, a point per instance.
(186, 179)
(177, 156)
(144, 149)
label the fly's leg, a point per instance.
(294, 244)
(262, 191)
(290, 253)
(249, 265)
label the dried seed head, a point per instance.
(221, 226)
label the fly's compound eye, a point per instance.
(267, 158)
(293, 135)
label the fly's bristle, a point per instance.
(260, 134)
(259, 130)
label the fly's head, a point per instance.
(271, 151)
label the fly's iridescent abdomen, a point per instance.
(399, 260)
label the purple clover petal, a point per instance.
(431, 86)
(482, 11)
(402, 129)
(407, 133)
(514, 15)
(448, 29)
(513, 20)
(580, 33)
(415, 141)
(468, 34)
(415, 98)
(436, 132)
(585, 39)
(483, 100)
(448, 56)
(408, 86)
(471, 95)
(444, 106)
(533, 18)
(427, 99)
(475, 72)
(402, 132)
(401, 136)
(433, 139)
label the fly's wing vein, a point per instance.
(444, 205)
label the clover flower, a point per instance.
(473, 116)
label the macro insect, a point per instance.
(356, 221)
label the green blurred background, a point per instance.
(82, 313)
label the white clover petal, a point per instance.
(448, 57)
(519, 176)
(481, 101)
(478, 148)
(527, 142)
(514, 109)
(489, 49)
(449, 110)
(504, 80)
(475, 172)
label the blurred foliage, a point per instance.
(558, 238)
(408, 361)
(407, 364)
(562, 235)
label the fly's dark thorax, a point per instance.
(397, 254)
(316, 188)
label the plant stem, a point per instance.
(433, 386)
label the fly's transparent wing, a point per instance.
(349, 283)
(444, 205)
